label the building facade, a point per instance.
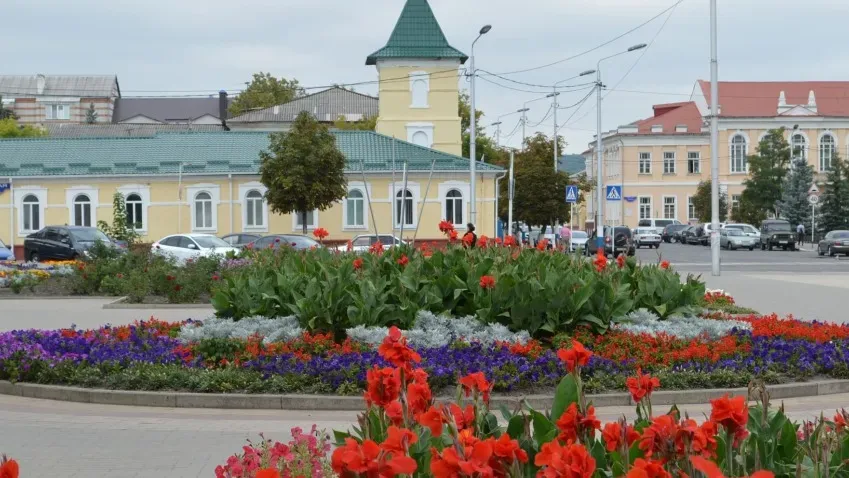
(660, 160)
(57, 99)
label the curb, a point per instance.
(334, 403)
(12, 296)
(120, 304)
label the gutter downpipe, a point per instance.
(12, 215)
(230, 179)
(497, 193)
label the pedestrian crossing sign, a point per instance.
(614, 193)
(571, 194)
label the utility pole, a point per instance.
(511, 187)
(497, 125)
(524, 120)
(714, 145)
(473, 133)
(553, 97)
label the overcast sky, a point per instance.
(204, 46)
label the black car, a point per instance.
(671, 233)
(695, 235)
(276, 241)
(240, 240)
(63, 243)
(620, 236)
(777, 233)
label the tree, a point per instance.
(5, 113)
(265, 91)
(540, 193)
(91, 114)
(767, 170)
(702, 203)
(9, 128)
(119, 229)
(747, 213)
(303, 169)
(834, 204)
(366, 124)
(794, 202)
(485, 146)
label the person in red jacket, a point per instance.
(470, 239)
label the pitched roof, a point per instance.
(165, 110)
(125, 130)
(417, 34)
(87, 86)
(325, 106)
(749, 99)
(202, 153)
(670, 116)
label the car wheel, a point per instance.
(820, 252)
(751, 248)
(34, 257)
(769, 246)
(830, 252)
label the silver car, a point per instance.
(731, 239)
(646, 236)
(578, 241)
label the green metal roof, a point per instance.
(417, 35)
(202, 153)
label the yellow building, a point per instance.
(660, 160)
(207, 182)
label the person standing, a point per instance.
(566, 237)
(470, 239)
(800, 233)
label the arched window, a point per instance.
(355, 209)
(133, 204)
(203, 211)
(454, 207)
(404, 208)
(420, 138)
(739, 150)
(798, 147)
(826, 151)
(254, 208)
(32, 213)
(419, 91)
(82, 210)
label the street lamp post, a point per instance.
(497, 125)
(599, 216)
(472, 135)
(714, 146)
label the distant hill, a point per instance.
(572, 163)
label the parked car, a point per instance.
(646, 236)
(184, 247)
(6, 252)
(835, 242)
(732, 239)
(671, 233)
(63, 242)
(704, 239)
(240, 240)
(619, 236)
(695, 235)
(748, 230)
(777, 233)
(578, 241)
(276, 241)
(363, 243)
(657, 224)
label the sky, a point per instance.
(195, 47)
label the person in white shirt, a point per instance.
(800, 233)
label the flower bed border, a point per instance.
(121, 304)
(337, 403)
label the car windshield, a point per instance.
(209, 242)
(734, 226)
(663, 222)
(837, 235)
(388, 240)
(645, 231)
(779, 226)
(89, 235)
(733, 232)
(579, 235)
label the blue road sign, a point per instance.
(571, 194)
(614, 193)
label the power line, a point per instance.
(533, 85)
(547, 114)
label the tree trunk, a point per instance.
(304, 220)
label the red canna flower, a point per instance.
(577, 356)
(320, 233)
(711, 469)
(509, 449)
(664, 265)
(647, 469)
(398, 440)
(483, 241)
(700, 440)
(452, 235)
(268, 473)
(403, 260)
(384, 386)
(419, 398)
(376, 248)
(394, 349)
(395, 413)
(572, 461)
(350, 245)
(641, 386)
(487, 282)
(358, 263)
(840, 421)
(573, 425)
(731, 413)
(600, 261)
(445, 227)
(620, 261)
(433, 418)
(542, 245)
(468, 239)
(510, 241)
(476, 383)
(497, 241)
(614, 436)
(658, 439)
(369, 460)
(169, 278)
(215, 277)
(178, 287)
(9, 468)
(474, 461)
(463, 418)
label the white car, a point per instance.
(646, 236)
(578, 241)
(184, 247)
(364, 243)
(747, 229)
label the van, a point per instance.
(657, 224)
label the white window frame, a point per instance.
(674, 207)
(214, 192)
(51, 111)
(741, 149)
(419, 78)
(694, 157)
(201, 207)
(732, 201)
(360, 202)
(364, 188)
(40, 194)
(669, 160)
(465, 192)
(72, 193)
(296, 217)
(691, 210)
(823, 150)
(804, 146)
(640, 207)
(644, 160)
(84, 202)
(143, 191)
(244, 190)
(426, 128)
(415, 189)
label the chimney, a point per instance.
(222, 109)
(40, 80)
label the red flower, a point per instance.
(620, 261)
(9, 468)
(711, 470)
(320, 233)
(664, 265)
(572, 461)
(542, 245)
(487, 282)
(473, 462)
(509, 449)
(376, 248)
(433, 418)
(350, 245)
(600, 261)
(452, 235)
(700, 440)
(169, 278)
(367, 460)
(840, 421)
(462, 418)
(268, 473)
(476, 383)
(510, 241)
(403, 260)
(483, 241)
(395, 413)
(119, 275)
(659, 437)
(398, 440)
(384, 386)
(358, 263)
(614, 436)
(497, 241)
(648, 469)
(468, 239)
(445, 227)
(215, 277)
(573, 425)
(731, 413)
(419, 398)
(394, 349)
(178, 287)
(642, 385)
(577, 356)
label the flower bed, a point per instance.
(27, 275)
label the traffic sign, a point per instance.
(4, 186)
(814, 189)
(571, 194)
(614, 193)
(813, 199)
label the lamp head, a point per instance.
(637, 47)
(485, 29)
(588, 72)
